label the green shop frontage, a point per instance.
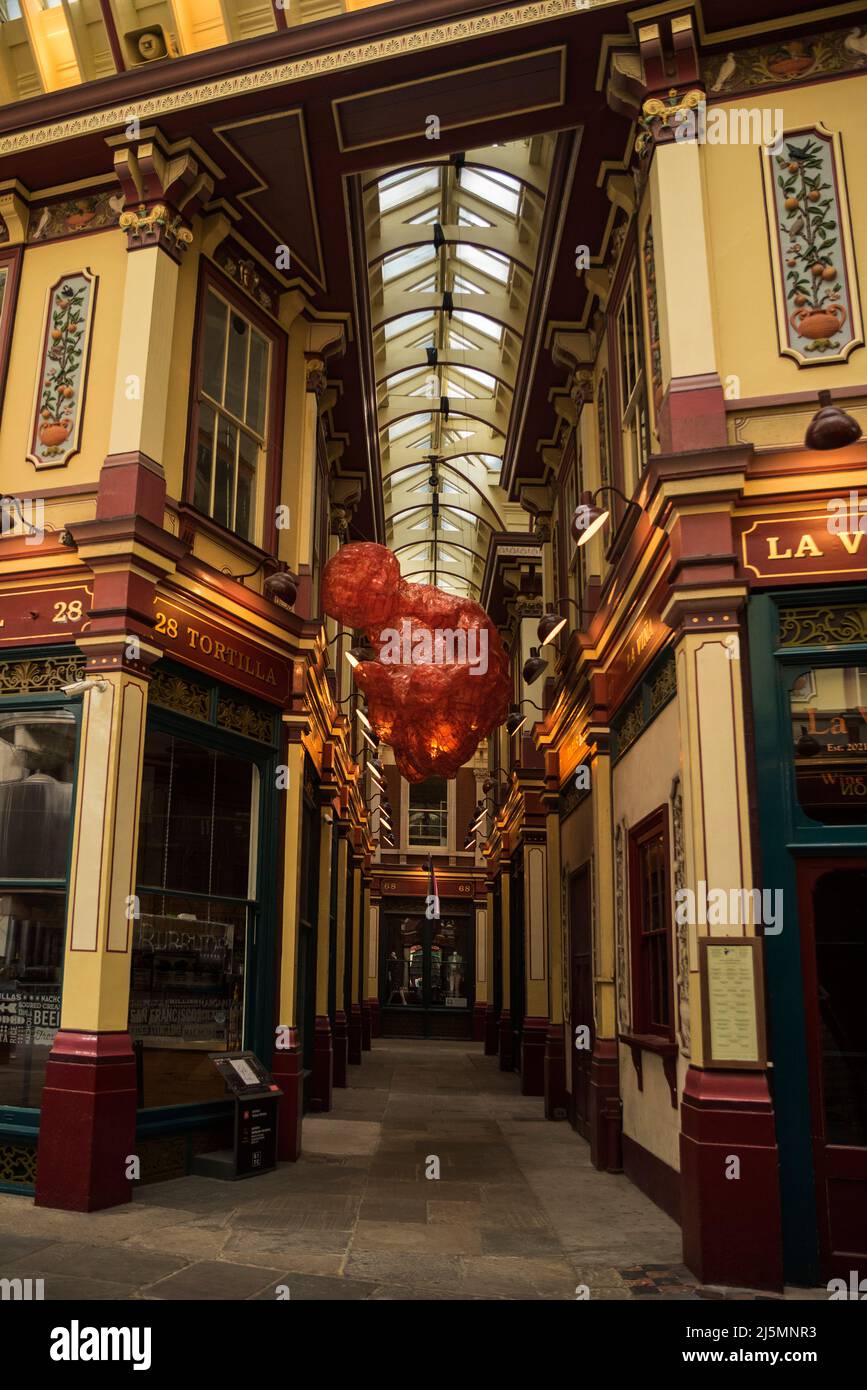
(808, 659)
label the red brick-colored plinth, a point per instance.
(322, 1079)
(555, 1073)
(287, 1069)
(340, 1048)
(533, 1037)
(732, 1231)
(87, 1127)
(604, 1107)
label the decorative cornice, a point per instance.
(313, 65)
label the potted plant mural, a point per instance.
(62, 372)
(814, 288)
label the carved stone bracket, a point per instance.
(164, 185)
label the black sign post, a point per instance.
(257, 1097)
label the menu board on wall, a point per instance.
(732, 1002)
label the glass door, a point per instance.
(427, 971)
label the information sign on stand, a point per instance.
(257, 1097)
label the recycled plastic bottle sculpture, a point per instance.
(440, 681)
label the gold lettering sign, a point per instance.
(801, 546)
(199, 642)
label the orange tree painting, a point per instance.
(811, 250)
(62, 372)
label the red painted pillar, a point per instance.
(480, 1014)
(555, 1073)
(533, 1037)
(506, 1041)
(491, 1032)
(287, 1069)
(339, 1048)
(606, 1118)
(87, 1126)
(322, 1079)
(732, 1230)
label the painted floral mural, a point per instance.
(818, 318)
(61, 382)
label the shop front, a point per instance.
(809, 663)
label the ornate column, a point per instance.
(537, 1005)
(505, 1044)
(371, 987)
(355, 1018)
(88, 1122)
(340, 1023)
(491, 1022)
(731, 1229)
(691, 411)
(555, 1053)
(604, 1088)
(287, 1064)
(322, 1079)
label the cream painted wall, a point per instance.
(177, 408)
(641, 783)
(745, 318)
(104, 254)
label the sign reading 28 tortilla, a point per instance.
(800, 546)
(200, 642)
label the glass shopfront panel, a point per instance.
(427, 963)
(196, 901)
(829, 732)
(37, 765)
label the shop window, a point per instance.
(650, 918)
(37, 762)
(232, 417)
(428, 813)
(196, 899)
(632, 382)
(829, 732)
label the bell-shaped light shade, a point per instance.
(533, 666)
(550, 624)
(515, 720)
(587, 519)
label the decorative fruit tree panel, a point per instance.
(62, 376)
(815, 284)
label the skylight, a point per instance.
(500, 190)
(489, 262)
(481, 323)
(407, 259)
(404, 322)
(397, 189)
(407, 425)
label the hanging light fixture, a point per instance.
(515, 720)
(533, 666)
(551, 622)
(831, 427)
(588, 518)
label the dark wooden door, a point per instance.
(580, 994)
(832, 896)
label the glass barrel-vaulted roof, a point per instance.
(451, 252)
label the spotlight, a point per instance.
(356, 655)
(587, 519)
(370, 739)
(515, 720)
(533, 666)
(361, 716)
(549, 625)
(831, 427)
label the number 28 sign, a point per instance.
(28, 614)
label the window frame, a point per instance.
(10, 257)
(653, 826)
(264, 514)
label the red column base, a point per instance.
(492, 1044)
(732, 1231)
(366, 1026)
(507, 1042)
(555, 1073)
(339, 1049)
(322, 1079)
(533, 1056)
(287, 1068)
(375, 1018)
(480, 1014)
(605, 1109)
(87, 1127)
(355, 1035)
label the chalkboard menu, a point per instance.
(257, 1097)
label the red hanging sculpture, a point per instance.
(440, 681)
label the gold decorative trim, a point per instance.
(244, 719)
(145, 225)
(663, 687)
(631, 727)
(823, 627)
(38, 677)
(172, 692)
(315, 65)
(18, 1164)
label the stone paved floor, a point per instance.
(516, 1213)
